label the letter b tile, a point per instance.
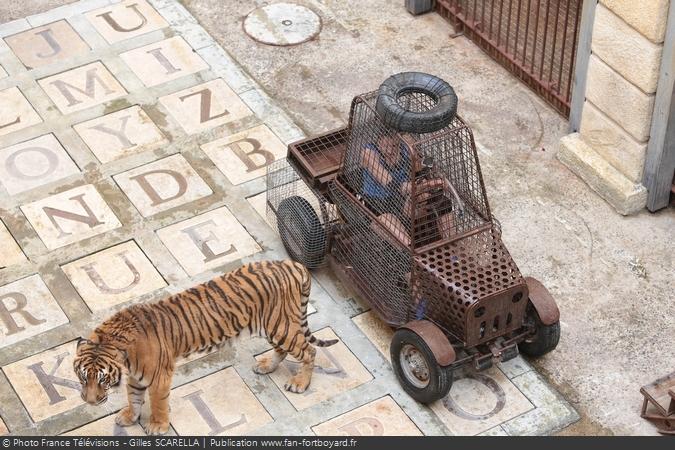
(162, 185)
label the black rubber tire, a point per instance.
(545, 338)
(440, 378)
(396, 116)
(306, 241)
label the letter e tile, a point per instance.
(34, 163)
(336, 370)
(27, 308)
(245, 155)
(47, 44)
(205, 106)
(15, 111)
(125, 20)
(120, 134)
(113, 276)
(195, 411)
(163, 61)
(382, 417)
(70, 216)
(207, 241)
(162, 185)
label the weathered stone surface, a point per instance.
(609, 183)
(619, 99)
(627, 51)
(15, 111)
(11, 252)
(612, 142)
(648, 16)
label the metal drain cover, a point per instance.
(282, 24)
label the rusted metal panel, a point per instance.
(437, 341)
(542, 301)
(534, 39)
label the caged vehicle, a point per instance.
(396, 204)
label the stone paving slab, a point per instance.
(132, 150)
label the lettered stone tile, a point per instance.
(47, 44)
(3, 73)
(70, 216)
(259, 203)
(120, 134)
(34, 163)
(208, 241)
(234, 411)
(205, 106)
(164, 61)
(125, 20)
(27, 308)
(11, 252)
(245, 155)
(47, 385)
(479, 401)
(382, 417)
(3, 428)
(106, 427)
(336, 370)
(113, 276)
(82, 87)
(162, 185)
(15, 111)
(377, 332)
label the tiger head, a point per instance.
(99, 367)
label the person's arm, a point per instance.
(370, 160)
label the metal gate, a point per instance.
(534, 39)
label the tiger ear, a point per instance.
(81, 341)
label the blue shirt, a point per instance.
(399, 174)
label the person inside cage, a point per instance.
(388, 184)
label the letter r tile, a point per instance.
(27, 308)
(207, 241)
(113, 276)
(245, 155)
(382, 417)
(196, 411)
(162, 185)
(15, 111)
(70, 216)
(47, 44)
(125, 20)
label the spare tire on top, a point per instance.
(396, 116)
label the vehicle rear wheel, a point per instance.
(416, 368)
(301, 231)
(544, 339)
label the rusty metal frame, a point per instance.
(535, 40)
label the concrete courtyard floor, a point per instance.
(611, 275)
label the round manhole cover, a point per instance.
(282, 24)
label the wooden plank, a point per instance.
(660, 162)
(581, 64)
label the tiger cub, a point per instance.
(268, 298)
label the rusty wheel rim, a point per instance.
(415, 366)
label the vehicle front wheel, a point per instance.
(301, 231)
(544, 339)
(416, 368)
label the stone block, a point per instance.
(626, 104)
(627, 51)
(649, 17)
(126, 20)
(626, 197)
(15, 111)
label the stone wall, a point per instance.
(609, 150)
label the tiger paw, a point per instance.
(264, 366)
(126, 418)
(154, 428)
(297, 384)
